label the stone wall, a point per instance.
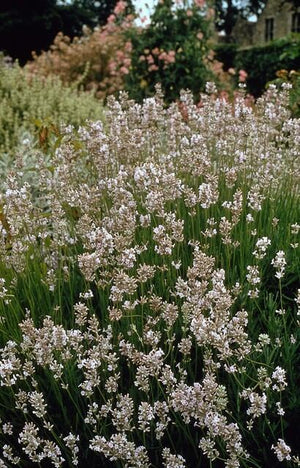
(274, 22)
(281, 15)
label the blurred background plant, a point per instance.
(31, 104)
(98, 60)
(277, 62)
(262, 63)
(37, 22)
(174, 50)
(105, 46)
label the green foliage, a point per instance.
(226, 53)
(262, 63)
(78, 13)
(27, 101)
(172, 50)
(27, 26)
(32, 25)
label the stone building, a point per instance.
(278, 19)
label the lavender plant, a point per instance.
(149, 291)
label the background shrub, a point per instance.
(28, 101)
(226, 53)
(172, 50)
(98, 60)
(262, 63)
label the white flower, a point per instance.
(282, 450)
(279, 263)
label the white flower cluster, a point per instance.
(134, 257)
(279, 263)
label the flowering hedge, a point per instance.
(172, 50)
(99, 60)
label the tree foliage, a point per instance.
(91, 13)
(32, 25)
(26, 26)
